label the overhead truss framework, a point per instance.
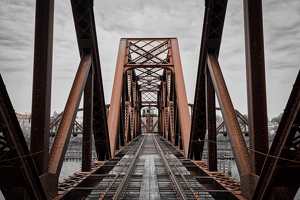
(148, 74)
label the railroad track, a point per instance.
(149, 170)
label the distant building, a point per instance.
(272, 125)
(145, 112)
(24, 119)
(149, 118)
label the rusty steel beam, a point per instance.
(62, 138)
(17, 167)
(212, 31)
(280, 173)
(218, 180)
(115, 102)
(139, 113)
(131, 119)
(256, 84)
(88, 123)
(145, 127)
(184, 115)
(41, 90)
(121, 128)
(83, 14)
(127, 121)
(153, 126)
(172, 106)
(234, 131)
(211, 124)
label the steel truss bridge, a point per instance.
(166, 165)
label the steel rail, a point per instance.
(182, 176)
(128, 172)
(169, 171)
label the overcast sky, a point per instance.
(117, 19)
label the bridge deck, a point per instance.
(149, 170)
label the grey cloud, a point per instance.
(157, 18)
(281, 65)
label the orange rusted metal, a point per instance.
(61, 141)
(115, 101)
(234, 131)
(184, 115)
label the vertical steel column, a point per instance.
(131, 103)
(166, 107)
(169, 105)
(163, 110)
(123, 107)
(134, 92)
(148, 120)
(256, 84)
(121, 127)
(41, 91)
(172, 107)
(87, 123)
(184, 115)
(131, 123)
(171, 121)
(135, 122)
(176, 122)
(139, 112)
(159, 113)
(211, 39)
(211, 124)
(164, 114)
(118, 137)
(116, 98)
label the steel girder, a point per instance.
(256, 84)
(115, 103)
(83, 14)
(90, 65)
(280, 177)
(62, 138)
(88, 124)
(221, 129)
(77, 129)
(233, 129)
(166, 106)
(211, 39)
(181, 99)
(41, 91)
(19, 178)
(211, 124)
(249, 166)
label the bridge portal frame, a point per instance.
(159, 59)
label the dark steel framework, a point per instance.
(257, 165)
(42, 182)
(149, 74)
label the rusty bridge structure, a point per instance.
(149, 143)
